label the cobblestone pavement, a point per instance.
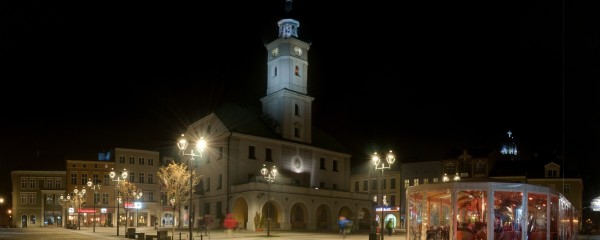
(86, 233)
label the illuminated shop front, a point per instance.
(488, 209)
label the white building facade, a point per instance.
(312, 187)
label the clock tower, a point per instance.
(287, 103)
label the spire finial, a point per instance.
(288, 5)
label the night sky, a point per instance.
(421, 78)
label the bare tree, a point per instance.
(175, 180)
(128, 192)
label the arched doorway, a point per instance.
(269, 211)
(167, 219)
(323, 218)
(24, 221)
(240, 212)
(363, 218)
(346, 212)
(298, 215)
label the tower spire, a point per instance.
(288, 5)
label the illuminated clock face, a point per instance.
(298, 51)
(275, 52)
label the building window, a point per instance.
(105, 198)
(269, 155)
(251, 152)
(393, 183)
(24, 183)
(426, 181)
(220, 181)
(141, 161)
(416, 182)
(150, 178)
(32, 218)
(24, 198)
(356, 186)
(106, 180)
(96, 198)
(435, 180)
(392, 200)
(150, 196)
(552, 173)
(131, 160)
(323, 164)
(208, 184)
(296, 109)
(74, 178)
(206, 208)
(150, 161)
(141, 177)
(365, 185)
(32, 184)
(297, 132)
(32, 198)
(275, 72)
(84, 179)
(566, 188)
(334, 186)
(96, 178)
(122, 159)
(297, 71)
(57, 184)
(132, 177)
(335, 165)
(321, 184)
(406, 183)
(49, 183)
(374, 184)
(383, 184)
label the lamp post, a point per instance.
(64, 201)
(94, 186)
(9, 217)
(182, 144)
(269, 176)
(118, 179)
(137, 195)
(80, 195)
(1, 204)
(380, 165)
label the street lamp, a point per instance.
(9, 217)
(118, 179)
(80, 195)
(1, 204)
(93, 186)
(380, 165)
(182, 144)
(137, 195)
(445, 178)
(64, 201)
(269, 177)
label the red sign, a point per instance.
(86, 210)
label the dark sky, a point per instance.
(421, 78)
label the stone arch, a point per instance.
(346, 212)
(364, 218)
(24, 220)
(299, 216)
(239, 210)
(323, 217)
(271, 210)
